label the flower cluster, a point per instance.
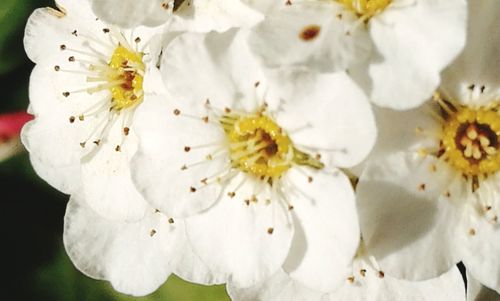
(291, 149)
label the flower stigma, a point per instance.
(260, 147)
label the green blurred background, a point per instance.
(37, 267)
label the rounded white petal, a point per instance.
(47, 28)
(229, 76)
(368, 286)
(481, 250)
(217, 15)
(168, 169)
(331, 116)
(478, 292)
(410, 216)
(247, 238)
(189, 266)
(130, 13)
(279, 287)
(326, 228)
(132, 256)
(474, 78)
(314, 34)
(414, 43)
(106, 178)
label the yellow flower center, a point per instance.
(365, 9)
(126, 70)
(258, 146)
(471, 140)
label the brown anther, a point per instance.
(309, 179)
(62, 47)
(256, 84)
(118, 148)
(381, 274)
(137, 40)
(126, 131)
(71, 59)
(205, 119)
(192, 189)
(421, 187)
(177, 112)
(72, 119)
(204, 181)
(184, 167)
(75, 33)
(65, 94)
(57, 68)
(81, 117)
(170, 220)
(187, 149)
(247, 202)
(339, 16)
(231, 194)
(351, 279)
(447, 194)
(152, 232)
(288, 2)
(97, 142)
(270, 230)
(82, 144)
(105, 30)
(472, 232)
(290, 207)
(362, 272)
(157, 211)
(487, 208)
(227, 110)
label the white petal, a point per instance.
(106, 178)
(217, 15)
(414, 43)
(412, 130)
(332, 116)
(310, 34)
(132, 256)
(473, 77)
(189, 266)
(326, 229)
(247, 241)
(279, 287)
(229, 70)
(369, 286)
(481, 254)
(47, 28)
(158, 170)
(478, 292)
(407, 219)
(130, 13)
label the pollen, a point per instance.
(259, 146)
(471, 140)
(365, 9)
(126, 69)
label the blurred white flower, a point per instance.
(395, 49)
(88, 80)
(191, 15)
(366, 283)
(256, 158)
(430, 194)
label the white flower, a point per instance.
(429, 196)
(395, 49)
(134, 256)
(88, 80)
(366, 283)
(191, 15)
(255, 157)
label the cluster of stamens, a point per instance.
(258, 146)
(121, 73)
(365, 9)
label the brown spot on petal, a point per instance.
(309, 32)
